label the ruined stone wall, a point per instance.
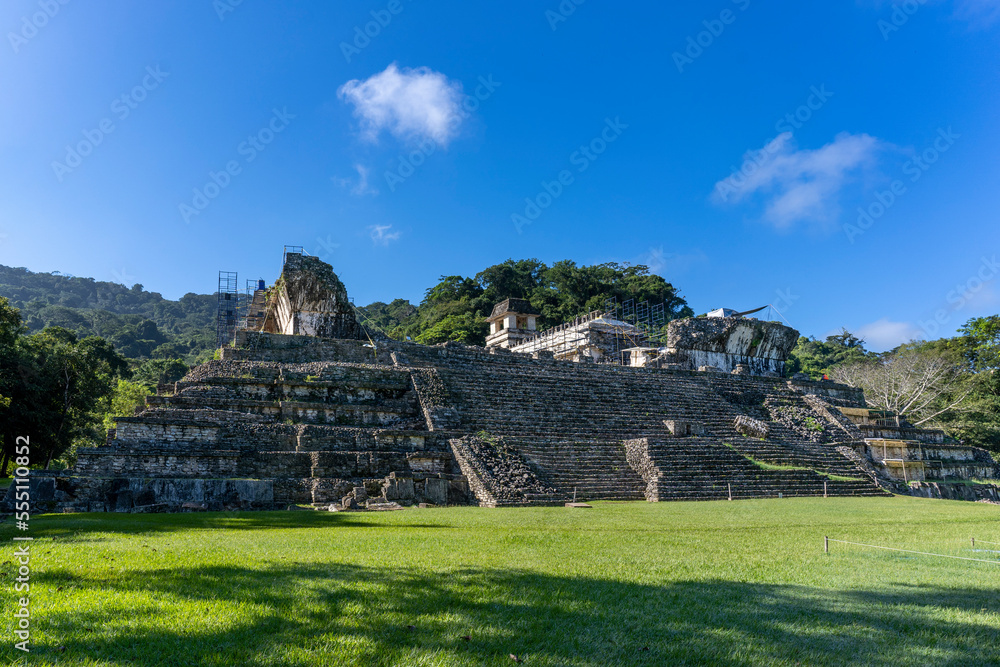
(310, 300)
(497, 474)
(516, 394)
(569, 419)
(725, 342)
(930, 436)
(596, 337)
(357, 415)
(951, 491)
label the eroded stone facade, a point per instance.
(347, 420)
(729, 342)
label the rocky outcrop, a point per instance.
(728, 342)
(309, 299)
(750, 427)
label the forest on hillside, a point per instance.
(140, 325)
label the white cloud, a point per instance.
(980, 13)
(977, 13)
(359, 188)
(381, 235)
(412, 104)
(883, 334)
(983, 299)
(799, 185)
(660, 262)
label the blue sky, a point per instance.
(732, 145)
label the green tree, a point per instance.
(920, 381)
(122, 402)
(58, 383)
(961, 375)
(567, 290)
(817, 358)
(160, 371)
(979, 347)
(11, 330)
(980, 342)
(463, 328)
(512, 278)
(456, 308)
(88, 307)
(390, 318)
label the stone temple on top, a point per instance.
(721, 341)
(308, 405)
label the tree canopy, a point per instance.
(54, 385)
(949, 383)
(456, 307)
(915, 380)
(817, 358)
(140, 324)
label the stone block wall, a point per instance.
(569, 420)
(316, 418)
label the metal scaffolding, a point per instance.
(229, 308)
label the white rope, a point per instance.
(780, 315)
(922, 553)
(985, 542)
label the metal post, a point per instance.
(730, 487)
(826, 544)
(824, 490)
(973, 543)
(574, 494)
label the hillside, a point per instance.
(143, 325)
(140, 324)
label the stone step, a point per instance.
(386, 413)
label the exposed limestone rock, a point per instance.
(310, 300)
(750, 427)
(728, 342)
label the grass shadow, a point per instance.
(340, 614)
(76, 525)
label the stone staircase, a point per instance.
(382, 416)
(306, 433)
(693, 469)
(593, 469)
(572, 424)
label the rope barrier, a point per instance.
(985, 542)
(780, 315)
(826, 541)
(367, 335)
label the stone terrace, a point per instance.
(298, 433)
(314, 409)
(284, 419)
(570, 421)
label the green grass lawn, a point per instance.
(729, 583)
